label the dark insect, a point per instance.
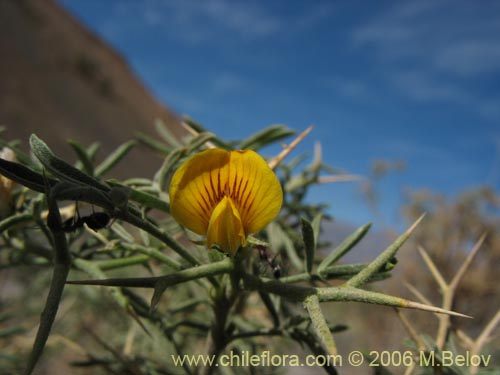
(271, 261)
(95, 221)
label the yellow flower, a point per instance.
(225, 196)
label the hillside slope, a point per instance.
(61, 81)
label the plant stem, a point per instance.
(162, 236)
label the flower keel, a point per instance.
(225, 228)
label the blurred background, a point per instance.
(411, 82)
(405, 94)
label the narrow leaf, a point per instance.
(92, 150)
(62, 262)
(153, 143)
(316, 226)
(266, 136)
(142, 197)
(48, 314)
(320, 325)
(59, 167)
(65, 190)
(211, 269)
(160, 284)
(343, 248)
(199, 140)
(111, 264)
(279, 238)
(193, 125)
(383, 258)
(153, 253)
(346, 293)
(24, 175)
(135, 219)
(13, 220)
(309, 243)
(168, 166)
(270, 307)
(21, 156)
(166, 134)
(343, 271)
(138, 182)
(84, 158)
(121, 232)
(114, 158)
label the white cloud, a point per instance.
(228, 83)
(470, 57)
(451, 36)
(436, 50)
(241, 17)
(490, 107)
(197, 21)
(316, 14)
(422, 86)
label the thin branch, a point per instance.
(193, 132)
(465, 265)
(487, 331)
(432, 267)
(483, 338)
(467, 342)
(360, 278)
(339, 178)
(449, 294)
(283, 154)
(418, 294)
(411, 330)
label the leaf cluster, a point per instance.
(199, 301)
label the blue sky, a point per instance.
(417, 81)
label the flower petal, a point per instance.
(255, 190)
(225, 228)
(225, 195)
(196, 188)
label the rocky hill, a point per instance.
(61, 81)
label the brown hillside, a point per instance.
(61, 81)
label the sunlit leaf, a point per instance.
(383, 258)
(266, 136)
(153, 143)
(59, 167)
(320, 325)
(114, 158)
(83, 157)
(343, 248)
(166, 134)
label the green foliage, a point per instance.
(200, 301)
